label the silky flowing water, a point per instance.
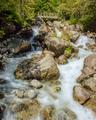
(68, 75)
(34, 43)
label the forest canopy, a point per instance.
(74, 11)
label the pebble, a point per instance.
(36, 84)
(32, 94)
(20, 94)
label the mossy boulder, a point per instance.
(41, 67)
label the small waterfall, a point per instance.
(35, 45)
(84, 41)
(8, 75)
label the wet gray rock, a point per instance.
(36, 84)
(3, 81)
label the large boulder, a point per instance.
(41, 67)
(55, 45)
(85, 93)
(89, 68)
(23, 47)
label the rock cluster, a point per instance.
(4, 53)
(85, 92)
(58, 40)
(49, 113)
(31, 109)
(25, 110)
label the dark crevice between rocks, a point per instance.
(85, 101)
(2, 109)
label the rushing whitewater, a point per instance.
(83, 41)
(68, 75)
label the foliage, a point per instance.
(76, 11)
(1, 34)
(88, 17)
(68, 51)
(18, 11)
(46, 5)
(79, 11)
